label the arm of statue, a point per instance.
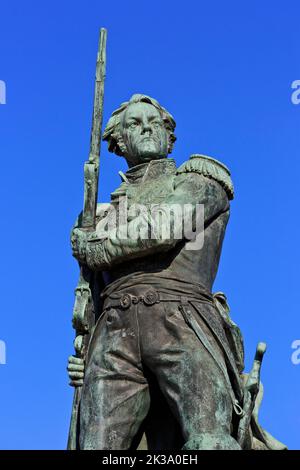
(79, 237)
(189, 189)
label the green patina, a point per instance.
(159, 359)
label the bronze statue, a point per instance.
(163, 357)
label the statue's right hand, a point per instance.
(76, 371)
(78, 242)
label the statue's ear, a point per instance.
(120, 148)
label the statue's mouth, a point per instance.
(148, 139)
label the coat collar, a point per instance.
(150, 170)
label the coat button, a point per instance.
(125, 301)
(151, 297)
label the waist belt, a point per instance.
(153, 296)
(150, 297)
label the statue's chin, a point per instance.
(146, 154)
(144, 159)
(151, 152)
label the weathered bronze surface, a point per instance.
(164, 358)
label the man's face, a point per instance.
(144, 133)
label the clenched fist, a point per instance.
(76, 371)
(78, 241)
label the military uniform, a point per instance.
(160, 322)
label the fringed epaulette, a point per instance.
(211, 168)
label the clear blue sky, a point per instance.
(224, 70)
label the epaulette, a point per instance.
(211, 168)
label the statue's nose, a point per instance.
(146, 128)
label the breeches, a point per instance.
(126, 341)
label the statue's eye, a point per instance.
(156, 124)
(133, 125)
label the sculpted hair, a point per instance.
(112, 132)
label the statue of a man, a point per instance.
(164, 356)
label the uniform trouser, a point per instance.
(115, 396)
